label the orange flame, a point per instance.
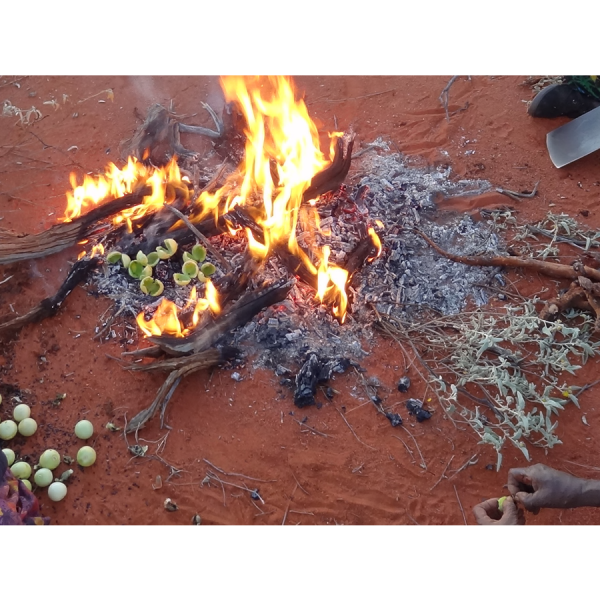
(117, 182)
(97, 250)
(376, 242)
(166, 321)
(282, 155)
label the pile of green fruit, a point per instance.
(49, 460)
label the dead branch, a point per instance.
(165, 392)
(462, 510)
(15, 248)
(518, 195)
(554, 270)
(249, 305)
(212, 356)
(445, 95)
(330, 179)
(49, 306)
(202, 238)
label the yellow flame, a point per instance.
(282, 155)
(331, 283)
(116, 182)
(97, 250)
(166, 321)
(376, 242)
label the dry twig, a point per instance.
(460, 505)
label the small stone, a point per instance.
(404, 384)
(236, 376)
(170, 505)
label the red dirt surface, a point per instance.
(359, 476)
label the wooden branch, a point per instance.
(165, 391)
(330, 179)
(15, 248)
(240, 313)
(49, 306)
(555, 270)
(202, 238)
(211, 355)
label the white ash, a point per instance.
(408, 277)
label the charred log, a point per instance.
(331, 178)
(313, 372)
(249, 305)
(50, 306)
(15, 248)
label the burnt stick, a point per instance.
(249, 305)
(15, 248)
(50, 306)
(220, 355)
(333, 176)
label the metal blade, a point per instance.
(575, 140)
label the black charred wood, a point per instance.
(248, 306)
(331, 178)
(415, 408)
(50, 306)
(313, 372)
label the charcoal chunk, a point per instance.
(394, 418)
(415, 408)
(404, 384)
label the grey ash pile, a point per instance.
(409, 276)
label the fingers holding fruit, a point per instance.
(498, 511)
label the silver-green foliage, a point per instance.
(514, 361)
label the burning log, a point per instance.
(198, 344)
(49, 306)
(15, 248)
(330, 179)
(249, 305)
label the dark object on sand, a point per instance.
(394, 418)
(404, 384)
(576, 96)
(415, 408)
(313, 372)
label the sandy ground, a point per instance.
(359, 476)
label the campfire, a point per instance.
(262, 242)
(153, 222)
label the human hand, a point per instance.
(540, 486)
(488, 513)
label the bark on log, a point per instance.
(49, 306)
(15, 248)
(249, 305)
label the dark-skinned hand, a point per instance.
(488, 513)
(540, 486)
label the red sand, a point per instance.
(246, 427)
